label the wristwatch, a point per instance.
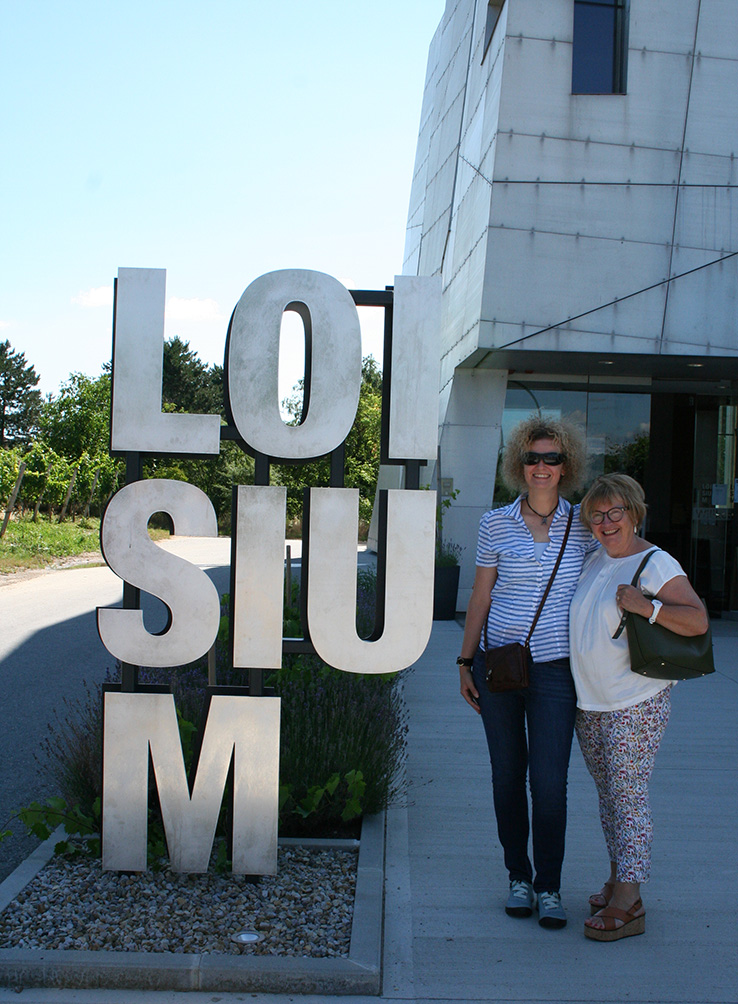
(461, 661)
(657, 605)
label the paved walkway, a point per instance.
(462, 947)
(447, 937)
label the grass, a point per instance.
(29, 545)
(34, 545)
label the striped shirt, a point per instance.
(506, 543)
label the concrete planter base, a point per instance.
(360, 973)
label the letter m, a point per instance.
(239, 730)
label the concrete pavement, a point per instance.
(446, 936)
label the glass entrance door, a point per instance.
(714, 568)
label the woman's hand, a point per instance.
(476, 615)
(683, 612)
(468, 690)
(633, 600)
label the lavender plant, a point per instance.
(71, 755)
(336, 723)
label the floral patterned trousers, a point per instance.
(619, 749)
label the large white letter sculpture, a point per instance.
(245, 730)
(136, 419)
(334, 525)
(242, 729)
(190, 596)
(334, 346)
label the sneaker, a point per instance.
(550, 911)
(521, 900)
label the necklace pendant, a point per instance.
(543, 521)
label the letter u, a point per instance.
(408, 597)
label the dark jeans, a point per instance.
(548, 708)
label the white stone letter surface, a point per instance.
(257, 568)
(252, 363)
(408, 602)
(243, 729)
(186, 590)
(137, 422)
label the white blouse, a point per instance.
(600, 664)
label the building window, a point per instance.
(494, 7)
(600, 47)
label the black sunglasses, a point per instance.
(550, 459)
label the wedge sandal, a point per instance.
(629, 924)
(596, 907)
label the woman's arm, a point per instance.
(682, 612)
(476, 615)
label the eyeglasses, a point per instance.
(614, 515)
(550, 459)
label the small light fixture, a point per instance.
(695, 366)
(605, 362)
(245, 937)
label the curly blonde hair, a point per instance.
(608, 487)
(569, 440)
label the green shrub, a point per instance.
(333, 724)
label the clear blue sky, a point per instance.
(218, 140)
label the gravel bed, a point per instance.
(305, 910)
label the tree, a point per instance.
(10, 461)
(215, 476)
(19, 399)
(77, 421)
(362, 449)
(187, 383)
(628, 458)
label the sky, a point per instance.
(217, 140)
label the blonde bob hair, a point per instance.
(568, 439)
(610, 487)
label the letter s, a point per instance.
(188, 593)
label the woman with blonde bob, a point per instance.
(622, 716)
(529, 732)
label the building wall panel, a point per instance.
(542, 19)
(537, 99)
(709, 169)
(582, 336)
(544, 279)
(640, 213)
(701, 310)
(666, 25)
(712, 37)
(712, 126)
(707, 217)
(528, 158)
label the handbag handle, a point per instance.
(642, 565)
(548, 587)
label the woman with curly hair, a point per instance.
(529, 732)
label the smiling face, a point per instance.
(617, 537)
(543, 476)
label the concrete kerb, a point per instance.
(358, 974)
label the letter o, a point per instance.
(252, 364)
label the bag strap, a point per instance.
(548, 587)
(553, 576)
(634, 582)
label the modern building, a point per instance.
(575, 187)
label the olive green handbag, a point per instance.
(660, 654)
